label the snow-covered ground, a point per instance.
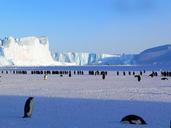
(84, 101)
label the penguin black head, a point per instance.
(31, 98)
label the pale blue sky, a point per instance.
(102, 26)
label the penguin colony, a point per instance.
(164, 74)
(129, 119)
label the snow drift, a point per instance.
(27, 51)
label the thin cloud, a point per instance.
(134, 6)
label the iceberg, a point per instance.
(27, 51)
(93, 59)
(160, 55)
(34, 51)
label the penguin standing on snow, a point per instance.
(133, 119)
(45, 77)
(152, 75)
(28, 108)
(103, 76)
(138, 77)
(164, 78)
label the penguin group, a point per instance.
(128, 119)
(153, 74)
(97, 73)
(166, 73)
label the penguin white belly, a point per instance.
(29, 113)
(136, 121)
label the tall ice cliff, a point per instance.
(27, 51)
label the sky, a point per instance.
(101, 26)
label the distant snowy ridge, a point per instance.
(160, 55)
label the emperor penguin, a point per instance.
(164, 78)
(152, 75)
(28, 108)
(45, 77)
(133, 119)
(138, 77)
(103, 76)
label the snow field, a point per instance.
(84, 101)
